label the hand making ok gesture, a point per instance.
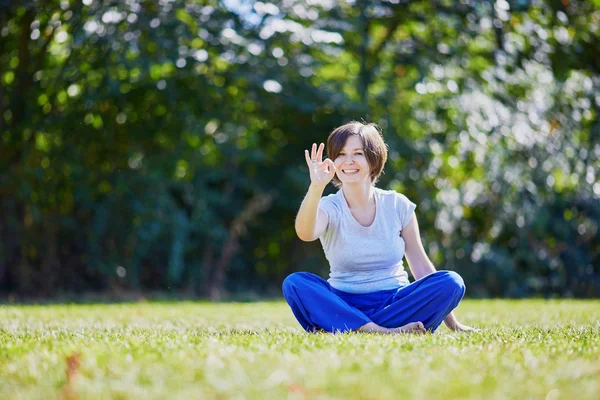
(321, 172)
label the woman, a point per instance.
(365, 232)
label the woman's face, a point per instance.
(351, 164)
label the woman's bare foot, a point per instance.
(413, 327)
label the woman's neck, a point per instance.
(359, 195)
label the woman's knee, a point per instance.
(453, 283)
(294, 281)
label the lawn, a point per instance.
(530, 349)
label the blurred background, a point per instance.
(157, 146)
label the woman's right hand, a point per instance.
(321, 171)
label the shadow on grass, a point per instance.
(91, 298)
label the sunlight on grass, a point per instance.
(526, 349)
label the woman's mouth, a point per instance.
(350, 171)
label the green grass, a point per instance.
(526, 350)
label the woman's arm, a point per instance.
(418, 262)
(310, 221)
(420, 265)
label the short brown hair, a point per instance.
(371, 137)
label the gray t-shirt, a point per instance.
(366, 259)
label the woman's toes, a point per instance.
(416, 326)
(413, 327)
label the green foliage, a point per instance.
(526, 349)
(159, 145)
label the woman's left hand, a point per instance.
(463, 328)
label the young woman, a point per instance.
(365, 232)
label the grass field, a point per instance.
(526, 350)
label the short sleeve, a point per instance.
(328, 206)
(405, 209)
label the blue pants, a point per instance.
(318, 306)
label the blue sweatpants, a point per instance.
(318, 306)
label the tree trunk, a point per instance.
(255, 206)
(49, 260)
(364, 75)
(205, 271)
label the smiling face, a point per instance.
(358, 152)
(351, 163)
